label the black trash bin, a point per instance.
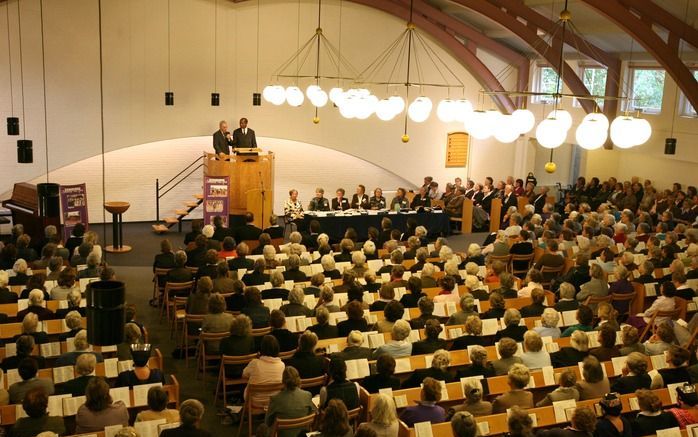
(105, 312)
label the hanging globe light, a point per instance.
(561, 116)
(551, 133)
(622, 133)
(506, 132)
(366, 106)
(462, 109)
(385, 110)
(319, 98)
(311, 90)
(398, 104)
(348, 107)
(524, 120)
(445, 110)
(493, 119)
(274, 94)
(643, 131)
(294, 96)
(336, 93)
(419, 110)
(591, 134)
(477, 126)
(597, 117)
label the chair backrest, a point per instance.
(258, 395)
(624, 297)
(287, 354)
(179, 286)
(233, 360)
(355, 416)
(592, 300)
(160, 272)
(261, 332)
(300, 422)
(504, 258)
(192, 319)
(193, 270)
(520, 258)
(313, 382)
(211, 336)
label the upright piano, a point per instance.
(24, 205)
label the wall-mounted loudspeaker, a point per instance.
(670, 146)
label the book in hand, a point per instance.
(12, 376)
(55, 405)
(121, 394)
(63, 374)
(376, 340)
(71, 405)
(357, 369)
(548, 375)
(124, 366)
(111, 367)
(52, 349)
(669, 432)
(148, 428)
(140, 393)
(423, 429)
(560, 408)
(403, 365)
(618, 364)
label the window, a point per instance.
(594, 79)
(647, 89)
(687, 110)
(546, 82)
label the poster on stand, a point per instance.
(216, 198)
(73, 207)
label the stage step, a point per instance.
(192, 204)
(171, 220)
(160, 229)
(181, 212)
(199, 196)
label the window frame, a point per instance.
(537, 78)
(630, 80)
(581, 68)
(685, 108)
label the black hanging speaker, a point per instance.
(256, 99)
(670, 146)
(215, 99)
(25, 153)
(49, 202)
(105, 312)
(12, 126)
(169, 98)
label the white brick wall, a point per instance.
(131, 174)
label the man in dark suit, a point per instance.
(509, 199)
(222, 139)
(539, 201)
(248, 231)
(244, 137)
(220, 231)
(360, 199)
(486, 202)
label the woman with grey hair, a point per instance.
(428, 272)
(549, 321)
(358, 260)
(369, 250)
(400, 345)
(478, 364)
(329, 268)
(73, 321)
(269, 254)
(190, 413)
(534, 356)
(276, 279)
(326, 300)
(438, 370)
(473, 402)
(512, 318)
(296, 304)
(573, 354)
(30, 326)
(84, 367)
(518, 378)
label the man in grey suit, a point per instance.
(222, 140)
(243, 136)
(596, 287)
(289, 403)
(27, 369)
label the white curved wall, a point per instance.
(131, 173)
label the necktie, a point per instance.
(244, 131)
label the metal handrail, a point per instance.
(159, 193)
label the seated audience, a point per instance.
(533, 280)
(290, 403)
(431, 342)
(255, 309)
(257, 276)
(497, 307)
(426, 313)
(322, 328)
(36, 305)
(354, 350)
(308, 364)
(141, 373)
(518, 378)
(687, 400)
(426, 409)
(335, 422)
(661, 340)
(191, 412)
(339, 387)
(82, 346)
(84, 367)
(478, 364)
(383, 417)
(74, 300)
(296, 304)
(157, 407)
(288, 340)
(607, 341)
(567, 302)
(267, 369)
(634, 375)
(472, 336)
(630, 338)
(384, 376)
(132, 335)
(35, 404)
(574, 353)
(651, 418)
(400, 345)
(24, 348)
(216, 321)
(355, 320)
(507, 347)
(467, 309)
(566, 391)
(594, 383)
(676, 370)
(473, 403)
(585, 318)
(549, 320)
(519, 423)
(582, 422)
(512, 318)
(30, 326)
(438, 370)
(534, 356)
(537, 306)
(99, 411)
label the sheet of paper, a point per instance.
(414, 335)
(692, 430)
(401, 401)
(164, 426)
(455, 332)
(569, 318)
(669, 432)
(489, 326)
(658, 361)
(671, 388)
(484, 428)
(439, 309)
(55, 405)
(376, 340)
(618, 364)
(385, 277)
(71, 405)
(332, 348)
(10, 349)
(12, 377)
(634, 404)
(650, 289)
(399, 292)
(124, 366)
(149, 428)
(140, 393)
(357, 369)
(548, 375)
(63, 374)
(112, 430)
(51, 349)
(423, 429)
(386, 391)
(552, 347)
(121, 394)
(451, 308)
(403, 365)
(111, 368)
(560, 408)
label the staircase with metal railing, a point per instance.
(162, 190)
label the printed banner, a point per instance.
(74, 207)
(216, 198)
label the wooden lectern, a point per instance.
(251, 183)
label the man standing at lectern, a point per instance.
(222, 140)
(244, 137)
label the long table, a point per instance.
(437, 223)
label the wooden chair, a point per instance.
(189, 340)
(355, 416)
(306, 422)
(310, 383)
(624, 297)
(520, 258)
(224, 381)
(204, 359)
(595, 300)
(466, 218)
(179, 308)
(158, 290)
(172, 288)
(287, 354)
(550, 273)
(256, 402)
(261, 332)
(503, 259)
(673, 315)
